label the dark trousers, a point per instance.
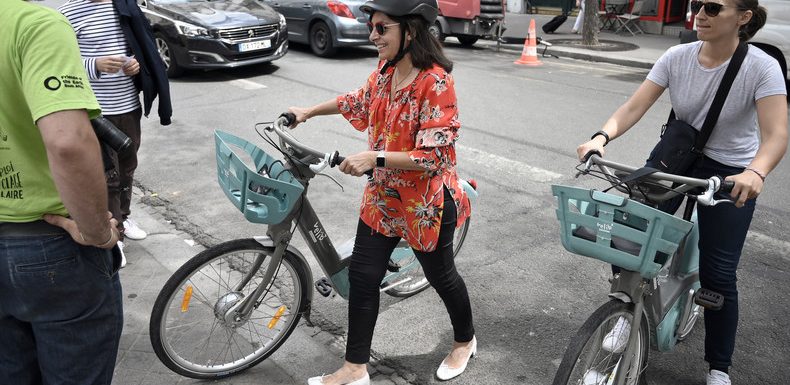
(368, 267)
(121, 176)
(722, 232)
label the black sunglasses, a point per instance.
(380, 27)
(711, 9)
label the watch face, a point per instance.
(380, 160)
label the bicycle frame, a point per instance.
(667, 306)
(334, 263)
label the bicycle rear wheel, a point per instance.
(585, 361)
(190, 330)
(416, 281)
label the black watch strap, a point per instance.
(602, 133)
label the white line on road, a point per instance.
(507, 166)
(246, 84)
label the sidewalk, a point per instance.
(640, 51)
(308, 351)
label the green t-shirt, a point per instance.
(41, 72)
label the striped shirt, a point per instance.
(99, 34)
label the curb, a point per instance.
(569, 53)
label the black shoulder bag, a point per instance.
(681, 144)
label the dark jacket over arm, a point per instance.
(152, 79)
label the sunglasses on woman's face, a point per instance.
(711, 9)
(380, 27)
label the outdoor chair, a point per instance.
(630, 21)
(608, 15)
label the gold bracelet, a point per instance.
(761, 175)
(105, 244)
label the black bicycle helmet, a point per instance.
(428, 9)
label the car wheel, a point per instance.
(163, 47)
(321, 41)
(436, 31)
(467, 41)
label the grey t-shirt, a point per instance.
(736, 137)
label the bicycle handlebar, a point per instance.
(711, 185)
(284, 121)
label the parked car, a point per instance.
(209, 34)
(325, 25)
(773, 38)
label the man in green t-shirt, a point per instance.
(60, 297)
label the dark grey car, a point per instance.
(324, 24)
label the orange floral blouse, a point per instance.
(421, 119)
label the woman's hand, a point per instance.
(301, 114)
(594, 144)
(748, 185)
(357, 164)
(131, 68)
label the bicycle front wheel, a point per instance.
(586, 362)
(191, 329)
(414, 280)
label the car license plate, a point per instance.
(255, 45)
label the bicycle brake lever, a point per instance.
(320, 166)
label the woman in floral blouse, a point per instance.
(408, 108)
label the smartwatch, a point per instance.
(381, 160)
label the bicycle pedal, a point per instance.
(392, 266)
(709, 299)
(323, 286)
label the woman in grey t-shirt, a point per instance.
(748, 140)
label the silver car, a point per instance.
(325, 25)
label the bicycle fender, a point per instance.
(621, 296)
(268, 242)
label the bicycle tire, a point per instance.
(185, 316)
(418, 276)
(590, 336)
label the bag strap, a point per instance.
(721, 96)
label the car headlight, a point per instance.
(190, 30)
(282, 21)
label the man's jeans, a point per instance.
(61, 311)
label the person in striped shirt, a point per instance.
(113, 68)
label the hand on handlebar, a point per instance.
(748, 185)
(300, 113)
(358, 164)
(592, 145)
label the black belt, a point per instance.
(29, 229)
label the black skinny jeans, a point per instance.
(368, 266)
(121, 176)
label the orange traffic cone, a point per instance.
(529, 56)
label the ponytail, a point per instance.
(759, 16)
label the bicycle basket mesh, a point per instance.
(265, 197)
(617, 230)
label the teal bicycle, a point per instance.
(234, 304)
(657, 290)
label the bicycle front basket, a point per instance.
(617, 230)
(263, 197)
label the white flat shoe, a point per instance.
(320, 380)
(445, 372)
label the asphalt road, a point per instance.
(520, 129)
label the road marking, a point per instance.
(508, 167)
(246, 84)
